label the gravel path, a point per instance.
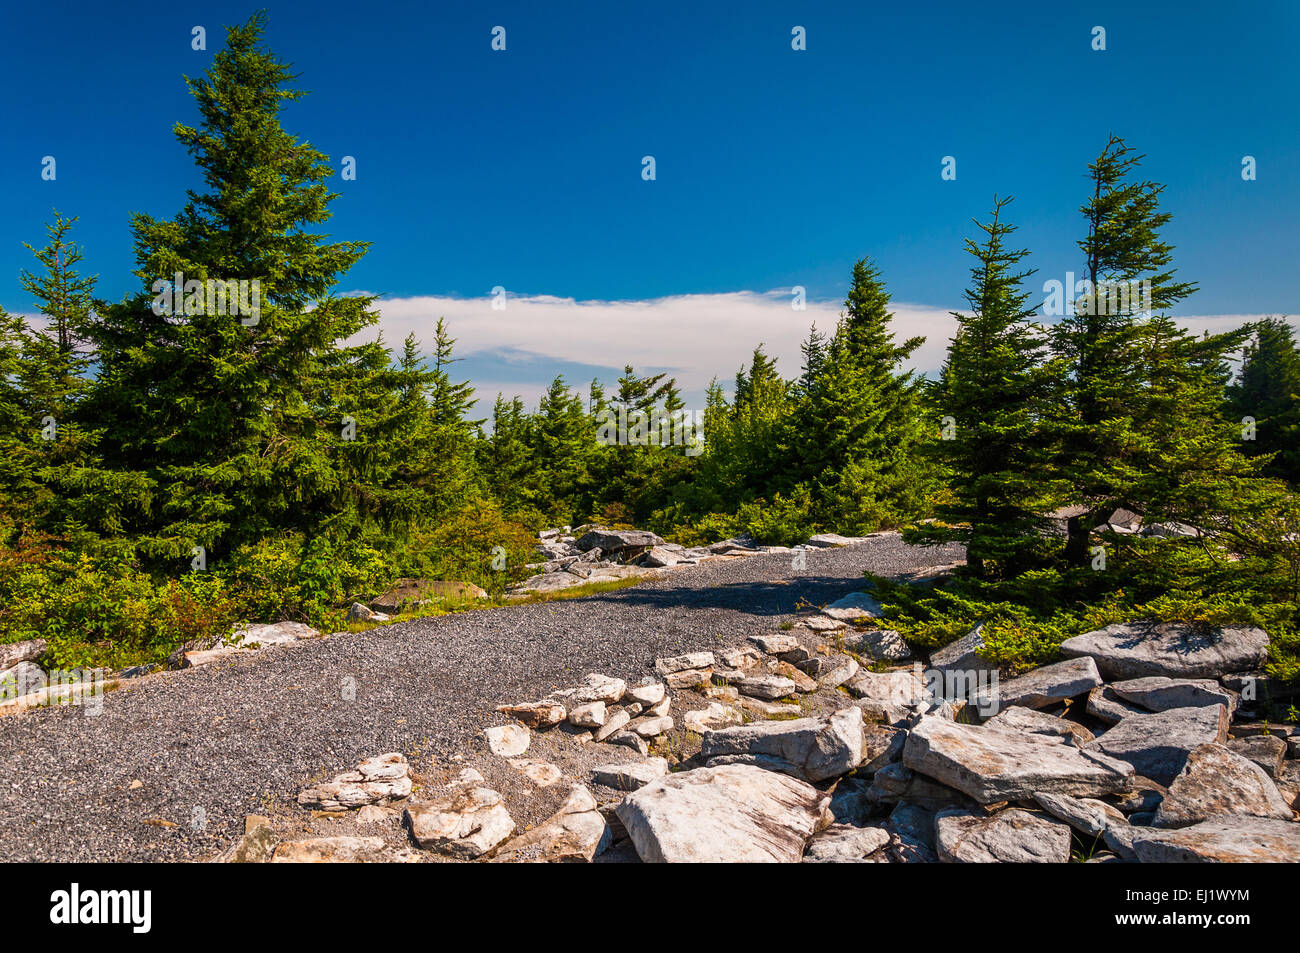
(234, 738)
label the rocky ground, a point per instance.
(175, 762)
(737, 705)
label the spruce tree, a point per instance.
(992, 389)
(241, 419)
(1098, 341)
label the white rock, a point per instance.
(508, 741)
(467, 824)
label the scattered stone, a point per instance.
(802, 683)
(1217, 781)
(630, 739)
(466, 776)
(248, 638)
(811, 749)
(1039, 723)
(689, 678)
(1008, 837)
(899, 783)
(333, 850)
(648, 692)
(541, 773)
(615, 721)
(376, 780)
(832, 671)
(372, 814)
(650, 727)
(1159, 693)
(854, 606)
(776, 644)
(729, 814)
(541, 714)
(994, 765)
(710, 719)
(467, 823)
(508, 741)
(881, 745)
(631, 775)
(891, 693)
(843, 844)
(600, 688)
(1157, 745)
(1235, 839)
(576, 833)
(660, 708)
(746, 656)
(1141, 649)
(767, 687)
(589, 715)
(1051, 684)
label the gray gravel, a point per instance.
(242, 737)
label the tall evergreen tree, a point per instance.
(993, 388)
(240, 418)
(1123, 248)
(856, 426)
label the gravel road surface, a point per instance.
(219, 742)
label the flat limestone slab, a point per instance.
(730, 814)
(993, 765)
(1141, 649)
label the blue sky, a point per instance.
(774, 167)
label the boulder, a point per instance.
(588, 715)
(360, 613)
(1157, 745)
(21, 679)
(467, 823)
(994, 765)
(730, 814)
(1176, 650)
(802, 683)
(963, 655)
(11, 653)
(631, 775)
(1051, 684)
(811, 749)
(1160, 693)
(1008, 837)
(657, 557)
(898, 783)
(831, 671)
(777, 643)
(576, 833)
(414, 592)
(376, 780)
(541, 773)
(617, 541)
(856, 605)
(1233, 839)
(246, 638)
(1217, 781)
(615, 721)
(883, 645)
